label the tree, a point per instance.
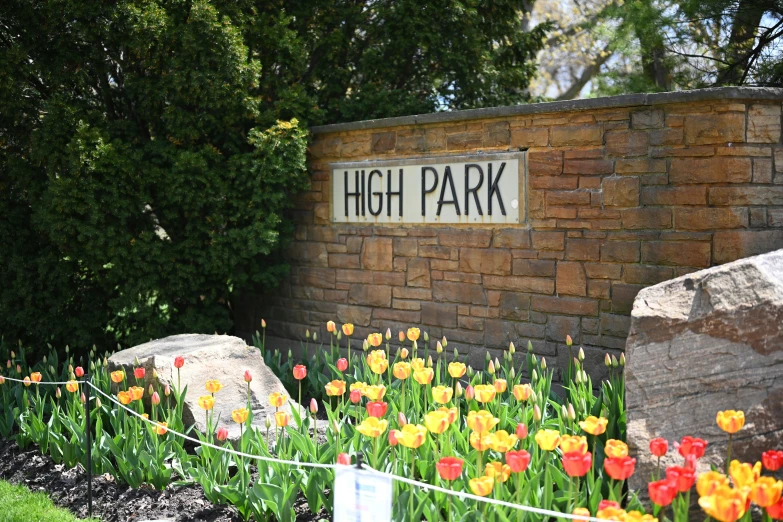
(149, 150)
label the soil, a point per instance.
(113, 502)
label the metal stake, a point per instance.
(89, 443)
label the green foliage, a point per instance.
(21, 505)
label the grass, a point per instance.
(18, 504)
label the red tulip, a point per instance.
(179, 362)
(139, 373)
(376, 409)
(521, 431)
(222, 434)
(79, 371)
(772, 459)
(300, 372)
(620, 468)
(518, 460)
(248, 376)
(392, 438)
(682, 478)
(576, 463)
(449, 468)
(691, 446)
(342, 364)
(662, 492)
(776, 510)
(608, 503)
(659, 447)
(356, 396)
(344, 459)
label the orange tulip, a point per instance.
(330, 326)
(452, 413)
(413, 334)
(124, 397)
(709, 481)
(481, 486)
(402, 370)
(522, 392)
(374, 392)
(282, 419)
(335, 388)
(500, 385)
(411, 435)
(27, 381)
(611, 513)
(501, 441)
(72, 386)
(457, 369)
(137, 392)
(616, 449)
(481, 421)
(348, 329)
(480, 441)
(161, 428)
(378, 362)
(35, 377)
(725, 504)
(638, 516)
(118, 376)
(484, 392)
(594, 425)
(547, 440)
(730, 421)
(300, 372)
(375, 339)
(417, 364)
(372, 427)
(766, 491)
(570, 444)
(437, 421)
(743, 474)
(498, 471)
(582, 512)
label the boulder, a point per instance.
(221, 357)
(702, 343)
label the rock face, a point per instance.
(701, 343)
(220, 357)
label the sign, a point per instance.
(473, 189)
(361, 496)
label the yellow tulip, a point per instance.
(423, 376)
(378, 364)
(214, 386)
(124, 397)
(616, 449)
(547, 440)
(372, 427)
(709, 481)
(481, 421)
(335, 388)
(569, 444)
(411, 435)
(137, 392)
(240, 415)
(206, 402)
(401, 370)
(375, 339)
(480, 440)
(725, 504)
(730, 421)
(522, 392)
(348, 329)
(500, 385)
(453, 413)
(436, 421)
(282, 418)
(766, 491)
(484, 392)
(594, 425)
(118, 376)
(359, 385)
(72, 386)
(611, 513)
(457, 369)
(442, 394)
(498, 471)
(417, 364)
(501, 441)
(161, 428)
(638, 516)
(482, 486)
(374, 392)
(413, 334)
(743, 474)
(277, 399)
(582, 512)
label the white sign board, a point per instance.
(361, 496)
(475, 189)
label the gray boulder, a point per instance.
(221, 357)
(702, 343)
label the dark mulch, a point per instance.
(114, 502)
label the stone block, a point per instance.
(511, 238)
(575, 135)
(647, 119)
(370, 295)
(762, 170)
(582, 249)
(764, 123)
(559, 326)
(383, 141)
(591, 167)
(564, 305)
(720, 332)
(640, 166)
(358, 315)
(710, 170)
(309, 253)
(599, 288)
(620, 252)
(571, 279)
(451, 292)
(545, 163)
(674, 196)
(678, 253)
(623, 295)
(498, 334)
(703, 129)
(526, 137)
(439, 314)
(377, 254)
(418, 273)
(536, 285)
(533, 267)
(407, 247)
(736, 196)
(620, 191)
(568, 197)
(496, 134)
(485, 261)
(710, 218)
(647, 274)
(476, 237)
(514, 306)
(544, 240)
(626, 143)
(731, 245)
(603, 271)
(645, 218)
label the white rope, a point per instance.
(42, 382)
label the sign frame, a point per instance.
(437, 159)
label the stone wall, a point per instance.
(623, 193)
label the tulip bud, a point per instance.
(167, 390)
(534, 359)
(491, 368)
(313, 406)
(487, 357)
(622, 359)
(578, 377)
(98, 402)
(458, 390)
(222, 433)
(58, 393)
(51, 369)
(401, 336)
(511, 373)
(154, 373)
(315, 336)
(8, 364)
(497, 363)
(44, 359)
(543, 363)
(83, 398)
(569, 341)
(263, 323)
(388, 334)
(426, 337)
(535, 375)
(401, 419)
(581, 355)
(439, 347)
(92, 366)
(18, 369)
(607, 361)
(614, 362)
(429, 361)
(469, 393)
(529, 346)
(521, 431)
(456, 354)
(584, 376)
(571, 412)
(106, 361)
(290, 353)
(404, 353)
(344, 459)
(339, 334)
(342, 364)
(67, 349)
(307, 333)
(563, 411)
(356, 396)
(155, 400)
(150, 390)
(470, 371)
(511, 348)
(392, 438)
(13, 355)
(536, 413)
(365, 345)
(268, 422)
(248, 376)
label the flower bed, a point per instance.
(416, 414)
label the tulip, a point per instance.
(423, 376)
(730, 421)
(79, 371)
(725, 504)
(82, 398)
(569, 444)
(313, 406)
(481, 421)
(393, 438)
(412, 435)
(709, 481)
(480, 440)
(457, 369)
(401, 370)
(583, 512)
(401, 419)
(485, 392)
(452, 413)
(161, 428)
(358, 385)
(8, 364)
(417, 363)
(500, 385)
(139, 373)
(616, 449)
(491, 367)
(743, 474)
(150, 390)
(263, 323)
(118, 376)
(501, 441)
(404, 353)
(498, 471)
(267, 423)
(438, 347)
(206, 402)
(36, 377)
(124, 397)
(342, 364)
(18, 369)
(72, 386)
(772, 459)
(429, 361)
(344, 459)
(240, 416)
(27, 381)
(374, 392)
(388, 334)
(766, 491)
(576, 463)
(377, 409)
(213, 386)
(378, 364)
(179, 362)
(470, 393)
(348, 329)
(413, 334)
(401, 336)
(547, 440)
(155, 399)
(372, 427)
(522, 392)
(282, 418)
(375, 339)
(222, 434)
(662, 492)
(691, 446)
(449, 468)
(436, 422)
(611, 513)
(594, 425)
(518, 460)
(481, 486)
(776, 510)
(659, 447)
(441, 394)
(355, 396)
(335, 388)
(621, 468)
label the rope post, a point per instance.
(89, 443)
(359, 460)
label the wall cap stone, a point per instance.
(608, 102)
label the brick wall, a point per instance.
(624, 192)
